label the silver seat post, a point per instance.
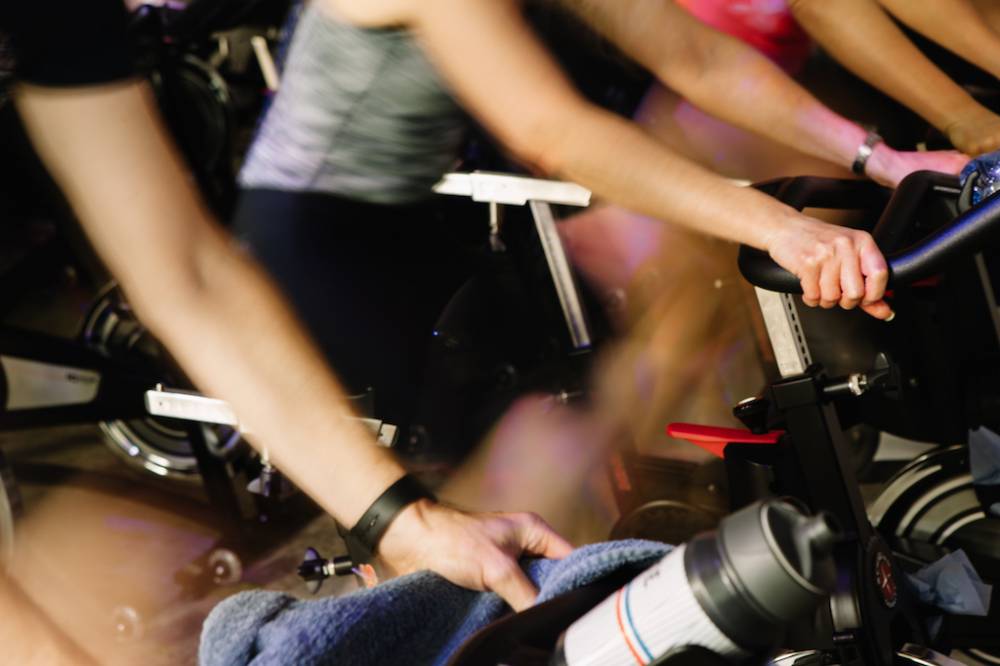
(498, 189)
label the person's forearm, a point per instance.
(955, 25)
(212, 307)
(735, 79)
(723, 76)
(616, 159)
(269, 370)
(862, 37)
(233, 334)
(496, 67)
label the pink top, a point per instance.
(767, 25)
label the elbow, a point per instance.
(542, 161)
(163, 304)
(543, 143)
(537, 149)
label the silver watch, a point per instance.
(865, 151)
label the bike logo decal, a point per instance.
(885, 580)
(36, 385)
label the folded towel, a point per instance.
(984, 457)
(415, 619)
(953, 585)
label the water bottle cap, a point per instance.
(781, 557)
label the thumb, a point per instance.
(512, 584)
(879, 310)
(536, 537)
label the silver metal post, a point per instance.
(562, 276)
(784, 329)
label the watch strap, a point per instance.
(376, 520)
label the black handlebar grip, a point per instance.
(906, 201)
(799, 193)
(761, 271)
(831, 193)
(967, 233)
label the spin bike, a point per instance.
(795, 447)
(931, 374)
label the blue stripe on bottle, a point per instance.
(631, 623)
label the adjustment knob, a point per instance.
(753, 413)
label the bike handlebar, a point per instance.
(963, 236)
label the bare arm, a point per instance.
(232, 332)
(183, 275)
(954, 24)
(724, 77)
(734, 82)
(502, 74)
(862, 37)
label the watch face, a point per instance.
(885, 580)
(865, 151)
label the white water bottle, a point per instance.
(731, 591)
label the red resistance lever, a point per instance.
(714, 440)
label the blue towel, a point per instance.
(953, 585)
(415, 619)
(984, 457)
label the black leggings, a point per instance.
(368, 281)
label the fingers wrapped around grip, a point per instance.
(836, 266)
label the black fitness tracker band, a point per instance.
(865, 151)
(376, 520)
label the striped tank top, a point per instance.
(360, 113)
